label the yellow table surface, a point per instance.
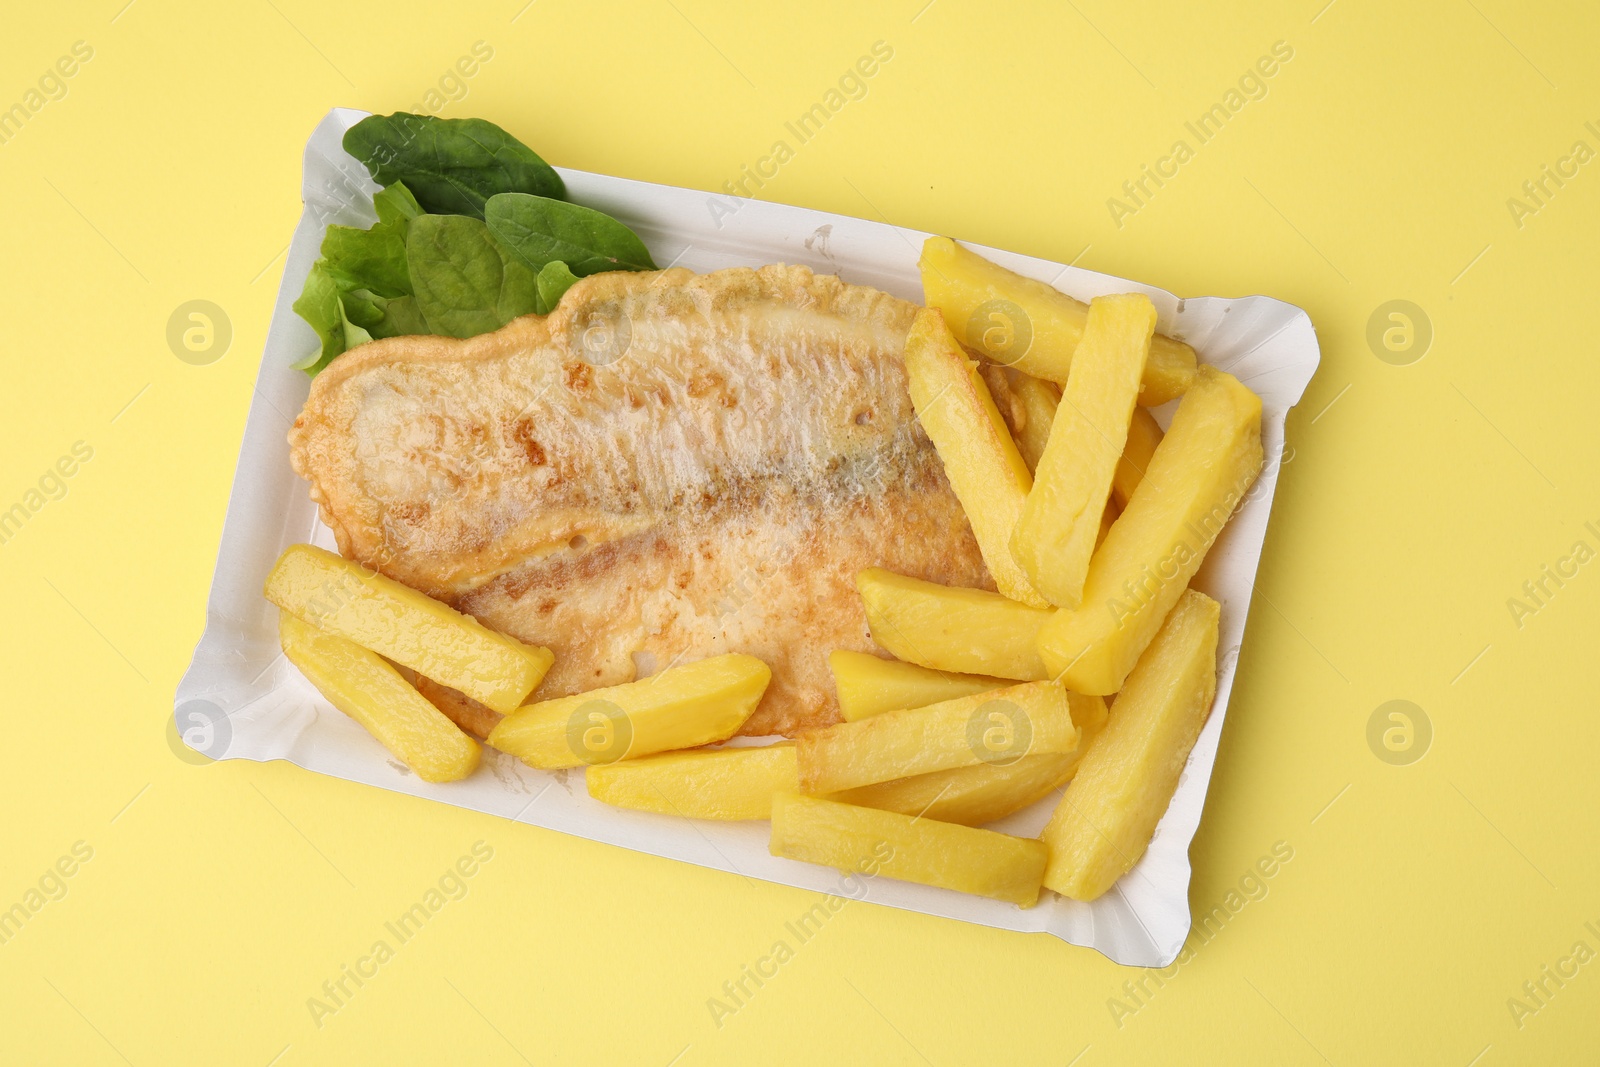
(1385, 159)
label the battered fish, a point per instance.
(667, 467)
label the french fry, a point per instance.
(949, 628)
(1198, 475)
(1144, 434)
(1126, 780)
(1055, 534)
(343, 598)
(869, 685)
(999, 727)
(924, 851)
(1029, 325)
(970, 796)
(1038, 399)
(682, 707)
(725, 783)
(362, 685)
(981, 461)
(989, 791)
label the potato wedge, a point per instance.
(985, 470)
(1199, 474)
(362, 685)
(1029, 325)
(970, 796)
(999, 727)
(949, 628)
(1056, 532)
(724, 783)
(681, 707)
(989, 791)
(344, 598)
(873, 842)
(1144, 434)
(869, 685)
(1126, 779)
(1038, 399)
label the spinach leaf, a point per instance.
(466, 284)
(554, 280)
(451, 165)
(520, 293)
(540, 230)
(471, 233)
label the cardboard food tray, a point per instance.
(240, 699)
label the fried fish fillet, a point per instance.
(668, 466)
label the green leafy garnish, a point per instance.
(541, 231)
(466, 284)
(471, 233)
(320, 306)
(452, 166)
(372, 259)
(375, 258)
(396, 206)
(382, 317)
(554, 280)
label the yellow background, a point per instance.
(1418, 500)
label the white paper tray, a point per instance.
(240, 699)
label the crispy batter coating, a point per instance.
(667, 467)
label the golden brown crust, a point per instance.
(666, 467)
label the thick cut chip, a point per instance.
(1198, 475)
(1033, 412)
(1028, 325)
(999, 727)
(436, 641)
(970, 796)
(950, 628)
(1144, 434)
(359, 683)
(682, 707)
(1037, 399)
(872, 842)
(980, 459)
(989, 791)
(1057, 530)
(1126, 780)
(870, 685)
(725, 783)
